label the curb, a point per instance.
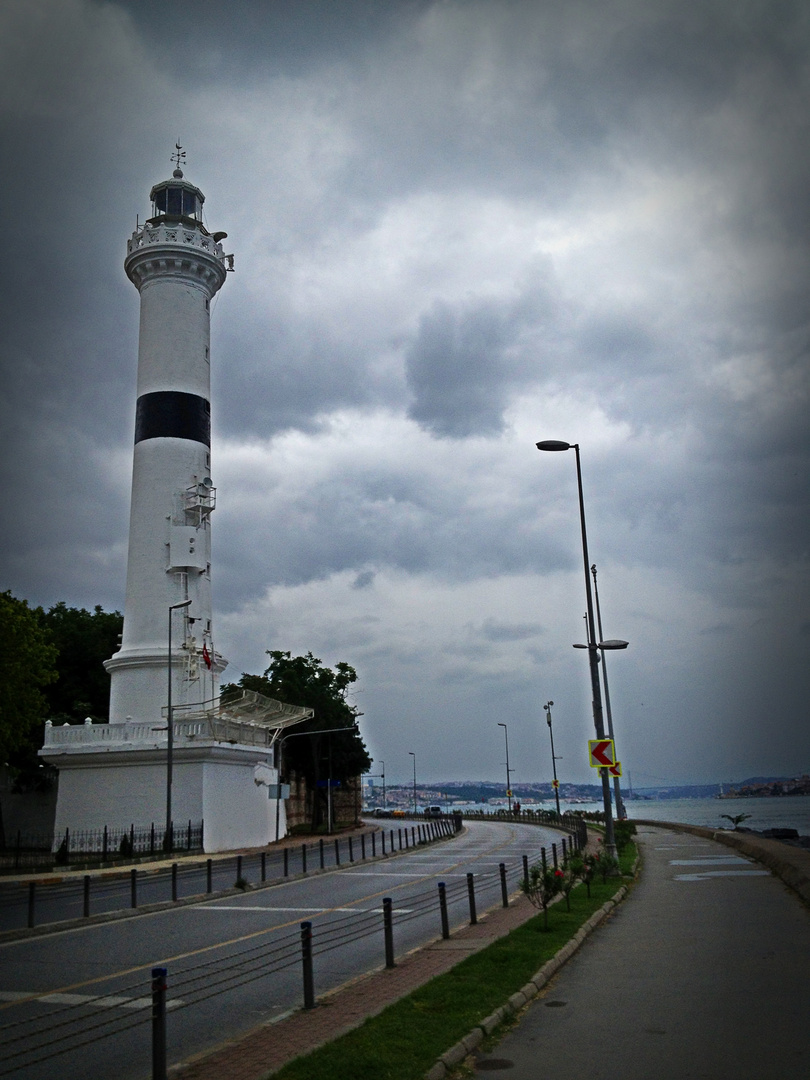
(456, 1054)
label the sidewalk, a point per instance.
(701, 974)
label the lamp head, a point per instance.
(553, 444)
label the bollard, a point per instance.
(104, 846)
(388, 922)
(392, 841)
(159, 1023)
(264, 866)
(238, 867)
(382, 837)
(471, 895)
(209, 875)
(543, 859)
(86, 911)
(564, 853)
(374, 845)
(152, 839)
(306, 960)
(174, 881)
(351, 851)
(303, 858)
(320, 844)
(526, 868)
(32, 887)
(133, 887)
(337, 852)
(400, 838)
(443, 910)
(504, 893)
(362, 846)
(554, 854)
(286, 863)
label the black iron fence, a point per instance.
(93, 847)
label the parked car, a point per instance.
(433, 811)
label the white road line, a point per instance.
(711, 860)
(302, 910)
(722, 873)
(106, 1002)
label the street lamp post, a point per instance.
(593, 645)
(413, 755)
(167, 838)
(508, 770)
(547, 707)
(617, 788)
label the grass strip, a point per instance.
(406, 1039)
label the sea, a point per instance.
(785, 812)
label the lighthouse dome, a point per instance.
(177, 199)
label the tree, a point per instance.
(27, 665)
(303, 680)
(85, 639)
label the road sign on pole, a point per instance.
(615, 769)
(601, 753)
(555, 784)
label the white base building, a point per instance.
(223, 774)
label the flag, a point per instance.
(206, 656)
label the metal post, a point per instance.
(388, 923)
(303, 858)
(547, 707)
(374, 845)
(471, 896)
(337, 852)
(543, 859)
(32, 887)
(443, 910)
(382, 837)
(526, 868)
(159, 1023)
(174, 881)
(504, 893)
(104, 846)
(320, 845)
(264, 866)
(238, 867)
(133, 887)
(617, 790)
(554, 854)
(362, 846)
(286, 862)
(86, 911)
(306, 960)
(351, 851)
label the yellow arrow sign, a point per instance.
(601, 753)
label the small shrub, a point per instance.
(541, 886)
(623, 831)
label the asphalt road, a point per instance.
(703, 972)
(233, 962)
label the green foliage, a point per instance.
(85, 639)
(542, 885)
(623, 831)
(27, 666)
(304, 680)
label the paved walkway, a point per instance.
(703, 972)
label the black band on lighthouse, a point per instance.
(171, 414)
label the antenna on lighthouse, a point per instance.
(178, 157)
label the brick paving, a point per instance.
(266, 1048)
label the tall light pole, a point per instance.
(382, 777)
(413, 755)
(547, 707)
(617, 788)
(593, 645)
(508, 770)
(168, 839)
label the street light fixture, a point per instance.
(413, 755)
(508, 770)
(617, 788)
(592, 646)
(547, 707)
(168, 838)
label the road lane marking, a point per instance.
(302, 910)
(722, 873)
(711, 860)
(105, 1002)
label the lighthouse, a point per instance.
(178, 267)
(173, 751)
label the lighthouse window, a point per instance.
(176, 202)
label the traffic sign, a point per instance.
(555, 784)
(616, 769)
(601, 753)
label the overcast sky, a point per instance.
(460, 226)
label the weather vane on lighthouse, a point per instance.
(179, 156)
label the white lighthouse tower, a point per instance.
(172, 750)
(177, 266)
